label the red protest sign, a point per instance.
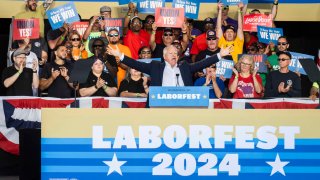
(26, 28)
(114, 23)
(251, 21)
(80, 27)
(169, 17)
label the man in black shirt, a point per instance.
(18, 79)
(283, 82)
(55, 75)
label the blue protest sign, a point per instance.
(66, 13)
(295, 65)
(149, 6)
(233, 2)
(268, 34)
(260, 61)
(191, 7)
(149, 60)
(224, 68)
(186, 96)
(122, 2)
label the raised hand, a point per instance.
(115, 52)
(64, 72)
(226, 51)
(254, 73)
(281, 87)
(154, 26)
(35, 65)
(235, 71)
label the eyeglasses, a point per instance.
(282, 43)
(75, 39)
(145, 52)
(251, 49)
(167, 34)
(246, 64)
(136, 23)
(97, 45)
(211, 39)
(113, 35)
(283, 59)
(24, 57)
(69, 47)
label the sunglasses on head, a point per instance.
(283, 44)
(75, 39)
(283, 59)
(167, 34)
(97, 45)
(113, 35)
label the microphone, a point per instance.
(177, 75)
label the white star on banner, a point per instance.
(277, 165)
(114, 165)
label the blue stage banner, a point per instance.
(211, 1)
(122, 2)
(224, 68)
(149, 6)
(66, 13)
(178, 96)
(295, 65)
(179, 144)
(191, 7)
(260, 61)
(267, 35)
(233, 2)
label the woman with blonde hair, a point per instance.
(245, 82)
(78, 51)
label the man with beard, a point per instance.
(55, 75)
(136, 37)
(230, 36)
(18, 79)
(114, 38)
(31, 11)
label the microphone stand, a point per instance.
(74, 85)
(177, 79)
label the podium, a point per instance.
(187, 96)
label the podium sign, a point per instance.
(178, 96)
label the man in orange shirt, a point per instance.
(114, 37)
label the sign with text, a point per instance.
(169, 17)
(251, 21)
(66, 13)
(186, 96)
(179, 144)
(80, 27)
(260, 61)
(122, 2)
(149, 6)
(233, 2)
(224, 68)
(114, 23)
(295, 65)
(191, 7)
(25, 28)
(267, 35)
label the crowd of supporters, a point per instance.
(188, 57)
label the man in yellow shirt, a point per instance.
(31, 11)
(114, 37)
(229, 37)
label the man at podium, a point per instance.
(170, 72)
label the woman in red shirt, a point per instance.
(245, 82)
